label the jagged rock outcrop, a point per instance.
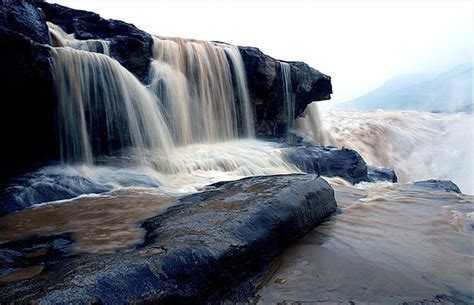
(24, 17)
(129, 45)
(201, 247)
(266, 89)
(337, 162)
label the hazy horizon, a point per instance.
(360, 44)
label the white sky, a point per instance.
(360, 44)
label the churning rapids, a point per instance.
(129, 150)
(417, 145)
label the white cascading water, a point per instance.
(59, 38)
(118, 143)
(103, 107)
(194, 80)
(417, 145)
(288, 98)
(113, 133)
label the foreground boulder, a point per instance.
(204, 245)
(441, 185)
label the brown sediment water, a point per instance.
(391, 243)
(99, 224)
(417, 145)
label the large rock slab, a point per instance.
(204, 245)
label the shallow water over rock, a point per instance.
(391, 243)
(101, 223)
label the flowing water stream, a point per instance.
(130, 150)
(389, 244)
(417, 145)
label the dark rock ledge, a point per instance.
(203, 246)
(336, 162)
(329, 162)
(440, 185)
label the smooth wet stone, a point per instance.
(379, 174)
(441, 185)
(329, 162)
(201, 247)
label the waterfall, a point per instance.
(311, 121)
(203, 89)
(104, 108)
(193, 125)
(288, 98)
(59, 38)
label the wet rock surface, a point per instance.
(129, 45)
(27, 119)
(329, 161)
(205, 244)
(441, 185)
(378, 174)
(24, 18)
(266, 89)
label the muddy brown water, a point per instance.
(99, 224)
(390, 244)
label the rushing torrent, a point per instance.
(417, 145)
(192, 126)
(104, 108)
(203, 88)
(390, 244)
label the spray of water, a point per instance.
(417, 145)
